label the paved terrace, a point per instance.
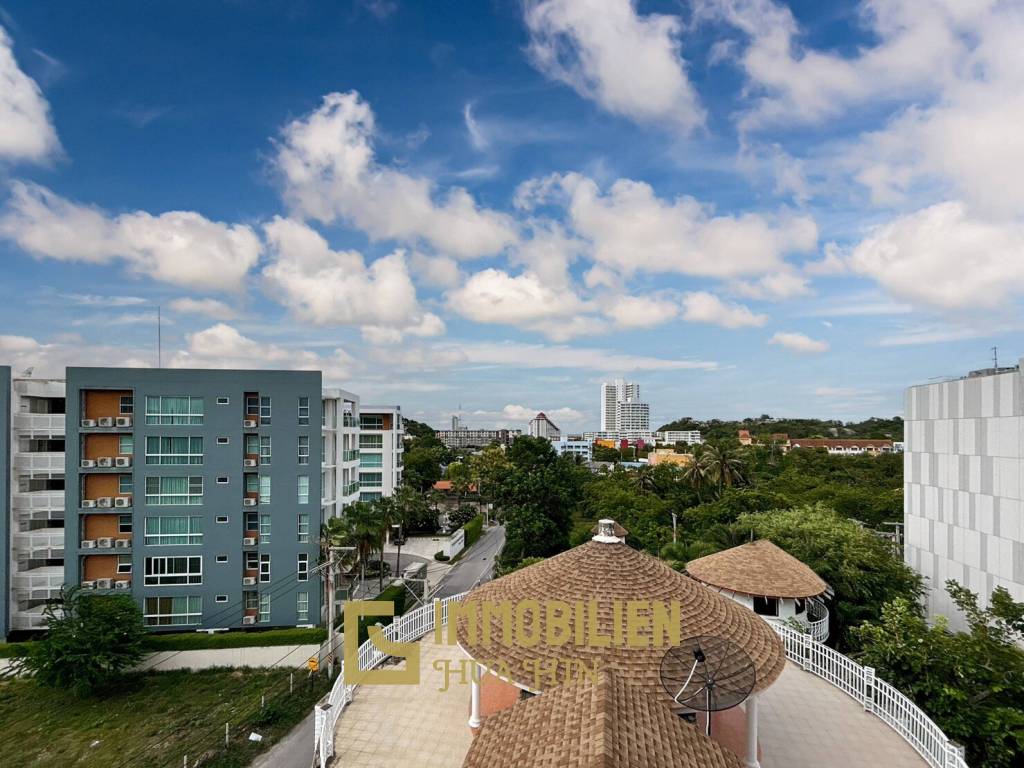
(804, 723)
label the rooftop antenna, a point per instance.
(995, 357)
(159, 340)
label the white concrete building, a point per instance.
(581, 448)
(613, 393)
(671, 437)
(542, 426)
(381, 432)
(339, 438)
(964, 485)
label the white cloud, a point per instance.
(641, 311)
(631, 230)
(704, 307)
(217, 310)
(943, 257)
(26, 132)
(774, 287)
(330, 172)
(798, 342)
(629, 64)
(177, 247)
(517, 416)
(476, 134)
(436, 271)
(50, 358)
(328, 287)
(495, 296)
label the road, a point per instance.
(296, 749)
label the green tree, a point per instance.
(422, 462)
(604, 453)
(723, 466)
(971, 683)
(92, 640)
(461, 478)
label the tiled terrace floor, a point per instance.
(804, 722)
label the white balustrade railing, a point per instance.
(41, 462)
(46, 423)
(817, 619)
(412, 626)
(876, 696)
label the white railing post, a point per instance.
(869, 689)
(805, 651)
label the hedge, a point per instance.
(10, 650)
(197, 641)
(396, 594)
(474, 529)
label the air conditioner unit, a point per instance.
(249, 423)
(248, 619)
(104, 583)
(123, 461)
(248, 462)
(122, 584)
(123, 421)
(248, 541)
(88, 463)
(88, 503)
(88, 585)
(122, 543)
(105, 461)
(105, 502)
(248, 502)
(248, 581)
(105, 421)
(123, 501)
(105, 542)
(88, 544)
(88, 422)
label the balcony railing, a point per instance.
(349, 421)
(350, 489)
(42, 545)
(43, 586)
(38, 500)
(27, 620)
(40, 423)
(40, 462)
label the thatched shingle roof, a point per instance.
(758, 568)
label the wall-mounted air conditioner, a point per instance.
(123, 421)
(105, 502)
(105, 542)
(88, 423)
(88, 585)
(88, 503)
(249, 423)
(105, 421)
(123, 501)
(248, 581)
(104, 583)
(122, 543)
(122, 584)
(248, 502)
(123, 461)
(88, 544)
(88, 463)
(248, 619)
(248, 462)
(105, 462)
(248, 541)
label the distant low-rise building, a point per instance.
(668, 456)
(582, 448)
(464, 437)
(542, 426)
(846, 447)
(673, 436)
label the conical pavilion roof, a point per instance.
(758, 568)
(606, 571)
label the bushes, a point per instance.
(396, 594)
(474, 530)
(197, 641)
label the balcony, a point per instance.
(39, 545)
(38, 584)
(50, 424)
(38, 501)
(351, 489)
(349, 421)
(352, 455)
(32, 619)
(39, 462)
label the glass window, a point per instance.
(174, 450)
(371, 479)
(303, 489)
(265, 409)
(264, 607)
(222, 558)
(124, 523)
(264, 529)
(222, 480)
(252, 483)
(174, 410)
(371, 441)
(252, 561)
(223, 440)
(303, 411)
(373, 421)
(371, 459)
(127, 405)
(223, 400)
(124, 563)
(221, 598)
(766, 606)
(303, 528)
(173, 611)
(252, 405)
(265, 449)
(264, 489)
(303, 449)
(252, 521)
(165, 571)
(222, 518)
(302, 570)
(125, 484)
(264, 567)
(252, 445)
(173, 531)
(174, 490)
(302, 607)
(252, 601)
(125, 445)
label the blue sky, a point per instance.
(744, 205)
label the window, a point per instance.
(174, 450)
(222, 558)
(264, 489)
(371, 441)
(221, 599)
(125, 484)
(375, 421)
(371, 459)
(252, 445)
(124, 523)
(303, 411)
(264, 608)
(223, 400)
(265, 450)
(166, 571)
(303, 529)
(222, 480)
(173, 611)
(303, 449)
(371, 479)
(264, 568)
(252, 521)
(323, 486)
(766, 606)
(252, 483)
(127, 405)
(302, 607)
(252, 601)
(174, 490)
(264, 529)
(222, 519)
(124, 563)
(302, 569)
(174, 410)
(265, 410)
(223, 440)
(125, 445)
(173, 531)
(370, 495)
(303, 489)
(252, 561)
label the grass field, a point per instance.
(152, 719)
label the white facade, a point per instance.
(381, 435)
(581, 448)
(339, 437)
(613, 393)
(542, 426)
(36, 525)
(964, 486)
(690, 437)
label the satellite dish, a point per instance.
(707, 674)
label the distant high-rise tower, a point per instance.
(621, 409)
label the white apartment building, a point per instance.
(622, 411)
(542, 426)
(381, 435)
(582, 448)
(673, 436)
(35, 522)
(339, 437)
(964, 485)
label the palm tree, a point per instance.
(722, 466)
(695, 473)
(644, 479)
(364, 532)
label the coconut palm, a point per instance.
(722, 466)
(695, 473)
(644, 479)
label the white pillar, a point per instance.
(751, 708)
(474, 697)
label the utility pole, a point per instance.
(673, 527)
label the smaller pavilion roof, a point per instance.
(605, 723)
(758, 568)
